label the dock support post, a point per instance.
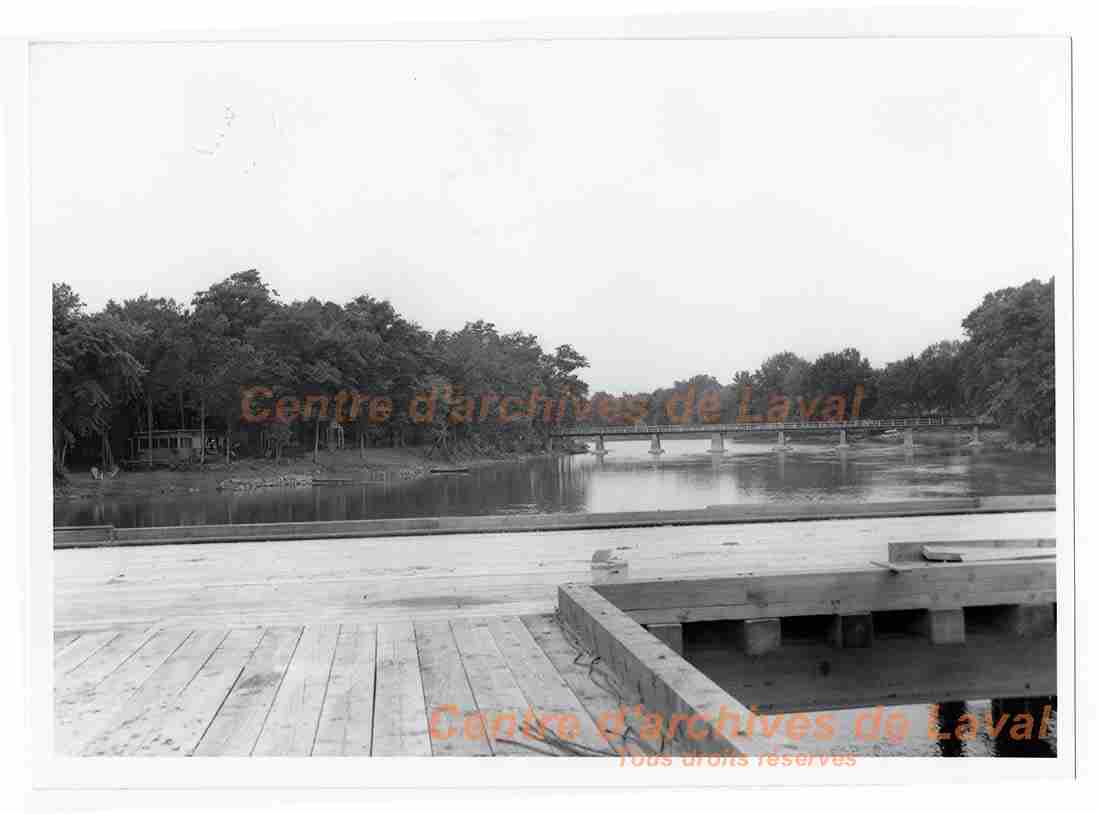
(670, 635)
(976, 436)
(781, 440)
(842, 440)
(944, 626)
(852, 630)
(909, 439)
(600, 446)
(757, 636)
(1028, 621)
(716, 445)
(656, 448)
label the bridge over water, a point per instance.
(782, 429)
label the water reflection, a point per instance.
(628, 478)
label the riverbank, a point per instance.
(381, 464)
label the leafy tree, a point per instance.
(1009, 364)
(95, 372)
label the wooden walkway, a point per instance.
(349, 646)
(302, 582)
(473, 687)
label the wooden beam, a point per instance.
(699, 716)
(914, 551)
(64, 538)
(934, 586)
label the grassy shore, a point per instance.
(399, 464)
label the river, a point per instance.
(686, 476)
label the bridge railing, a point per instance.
(773, 426)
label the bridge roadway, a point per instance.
(718, 431)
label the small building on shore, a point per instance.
(165, 446)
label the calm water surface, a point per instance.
(686, 476)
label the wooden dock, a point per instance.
(503, 685)
(358, 646)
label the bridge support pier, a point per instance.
(909, 439)
(976, 436)
(656, 449)
(842, 440)
(716, 445)
(600, 446)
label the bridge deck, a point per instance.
(757, 424)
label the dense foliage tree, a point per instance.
(1010, 363)
(149, 363)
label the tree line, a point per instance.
(1003, 369)
(154, 363)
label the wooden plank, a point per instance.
(291, 726)
(552, 701)
(347, 717)
(86, 676)
(700, 715)
(236, 727)
(395, 527)
(80, 651)
(180, 720)
(941, 553)
(617, 713)
(137, 720)
(84, 713)
(370, 580)
(497, 693)
(400, 715)
(455, 726)
(913, 551)
(827, 592)
(63, 640)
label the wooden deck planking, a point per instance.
(235, 730)
(400, 715)
(347, 718)
(552, 700)
(139, 717)
(392, 621)
(183, 720)
(455, 727)
(63, 640)
(291, 725)
(591, 685)
(497, 693)
(389, 579)
(82, 649)
(83, 712)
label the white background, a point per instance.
(106, 17)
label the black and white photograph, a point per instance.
(650, 396)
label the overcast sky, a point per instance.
(668, 208)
